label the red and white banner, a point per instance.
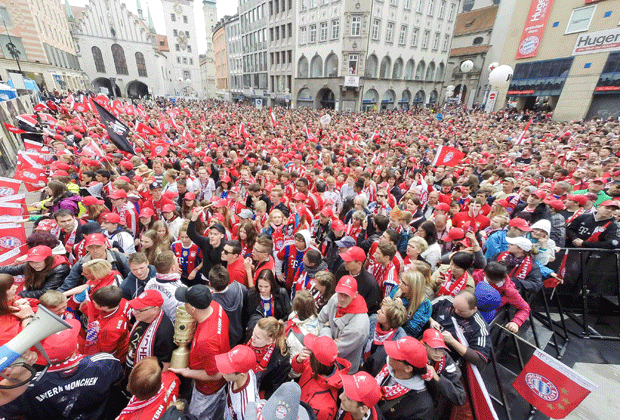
(142, 128)
(534, 28)
(35, 147)
(92, 150)
(40, 107)
(16, 199)
(551, 386)
(448, 156)
(8, 258)
(34, 178)
(14, 129)
(521, 138)
(9, 186)
(274, 122)
(12, 235)
(31, 120)
(159, 149)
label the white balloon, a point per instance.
(450, 87)
(467, 66)
(180, 79)
(500, 76)
(493, 65)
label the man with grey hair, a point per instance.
(561, 189)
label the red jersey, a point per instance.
(210, 339)
(386, 276)
(156, 206)
(236, 272)
(109, 333)
(129, 217)
(189, 258)
(267, 265)
(155, 407)
(463, 217)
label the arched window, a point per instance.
(141, 64)
(371, 67)
(98, 59)
(419, 73)
(331, 66)
(119, 59)
(302, 67)
(409, 69)
(397, 72)
(430, 72)
(386, 67)
(316, 66)
(440, 71)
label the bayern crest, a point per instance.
(10, 242)
(449, 156)
(542, 387)
(4, 191)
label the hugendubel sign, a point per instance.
(596, 42)
(534, 28)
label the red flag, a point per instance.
(448, 156)
(353, 136)
(243, 131)
(159, 149)
(48, 118)
(33, 176)
(12, 235)
(309, 135)
(129, 109)
(142, 128)
(11, 209)
(40, 107)
(551, 386)
(51, 105)
(8, 258)
(31, 120)
(92, 149)
(521, 138)
(80, 107)
(14, 129)
(9, 186)
(165, 125)
(274, 122)
(16, 199)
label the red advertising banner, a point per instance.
(534, 28)
(11, 236)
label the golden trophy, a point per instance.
(184, 329)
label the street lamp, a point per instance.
(12, 48)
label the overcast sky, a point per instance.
(224, 7)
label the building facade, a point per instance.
(569, 61)
(209, 11)
(253, 21)
(118, 51)
(235, 57)
(222, 88)
(37, 45)
(360, 55)
(281, 50)
(183, 61)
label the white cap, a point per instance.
(523, 243)
(543, 224)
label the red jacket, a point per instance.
(510, 296)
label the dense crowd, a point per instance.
(338, 256)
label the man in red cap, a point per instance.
(345, 319)
(535, 206)
(153, 331)
(445, 382)
(126, 211)
(121, 239)
(237, 368)
(353, 264)
(359, 397)
(402, 381)
(574, 207)
(74, 386)
(596, 186)
(321, 226)
(596, 230)
(329, 247)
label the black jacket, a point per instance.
(53, 279)
(211, 256)
(540, 212)
(414, 405)
(254, 309)
(276, 373)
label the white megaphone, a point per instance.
(44, 324)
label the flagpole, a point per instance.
(517, 337)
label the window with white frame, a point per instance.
(353, 62)
(402, 37)
(303, 5)
(451, 13)
(436, 41)
(312, 33)
(394, 3)
(356, 25)
(389, 32)
(431, 7)
(425, 37)
(446, 42)
(323, 31)
(313, 4)
(376, 27)
(414, 37)
(335, 28)
(442, 9)
(303, 35)
(580, 19)
(420, 7)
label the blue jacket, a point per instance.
(496, 244)
(132, 287)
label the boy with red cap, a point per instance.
(126, 211)
(402, 381)
(320, 369)
(353, 264)
(120, 238)
(360, 397)
(344, 318)
(444, 376)
(237, 368)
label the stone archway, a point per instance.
(105, 83)
(137, 90)
(326, 99)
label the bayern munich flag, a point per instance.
(551, 386)
(448, 156)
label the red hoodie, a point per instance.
(510, 296)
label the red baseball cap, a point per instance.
(46, 225)
(337, 225)
(147, 212)
(95, 239)
(442, 207)
(540, 194)
(219, 203)
(557, 205)
(189, 196)
(147, 298)
(407, 349)
(225, 178)
(112, 218)
(362, 387)
(91, 201)
(520, 224)
(600, 179)
(327, 212)
(434, 339)
(324, 348)
(347, 285)
(167, 208)
(299, 197)
(39, 253)
(60, 346)
(355, 253)
(610, 203)
(116, 194)
(240, 359)
(455, 234)
(579, 199)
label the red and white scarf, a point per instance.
(520, 271)
(263, 355)
(575, 215)
(379, 338)
(390, 392)
(67, 365)
(451, 288)
(146, 345)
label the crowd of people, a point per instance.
(336, 256)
